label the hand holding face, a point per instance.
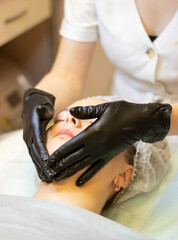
(119, 125)
(38, 110)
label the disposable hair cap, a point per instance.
(151, 163)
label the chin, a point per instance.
(55, 143)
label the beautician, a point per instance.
(141, 40)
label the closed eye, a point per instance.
(91, 122)
(61, 116)
(59, 120)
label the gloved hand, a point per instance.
(38, 110)
(119, 125)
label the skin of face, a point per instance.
(66, 126)
(115, 172)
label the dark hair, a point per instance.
(129, 154)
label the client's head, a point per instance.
(138, 169)
(113, 177)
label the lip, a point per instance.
(65, 132)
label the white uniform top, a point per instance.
(144, 70)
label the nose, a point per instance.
(72, 120)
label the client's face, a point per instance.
(66, 127)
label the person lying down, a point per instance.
(138, 169)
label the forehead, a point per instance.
(86, 102)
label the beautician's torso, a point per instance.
(133, 21)
(144, 70)
(156, 14)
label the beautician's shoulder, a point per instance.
(80, 21)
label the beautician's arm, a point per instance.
(65, 82)
(174, 120)
(67, 77)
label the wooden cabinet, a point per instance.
(18, 16)
(26, 51)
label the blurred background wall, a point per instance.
(28, 46)
(100, 74)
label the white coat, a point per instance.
(144, 70)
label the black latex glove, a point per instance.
(38, 110)
(119, 125)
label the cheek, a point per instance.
(53, 144)
(86, 123)
(54, 130)
(114, 167)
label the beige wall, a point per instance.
(100, 74)
(32, 51)
(35, 51)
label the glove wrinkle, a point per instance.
(120, 124)
(37, 111)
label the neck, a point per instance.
(88, 197)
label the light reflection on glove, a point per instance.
(119, 125)
(38, 110)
